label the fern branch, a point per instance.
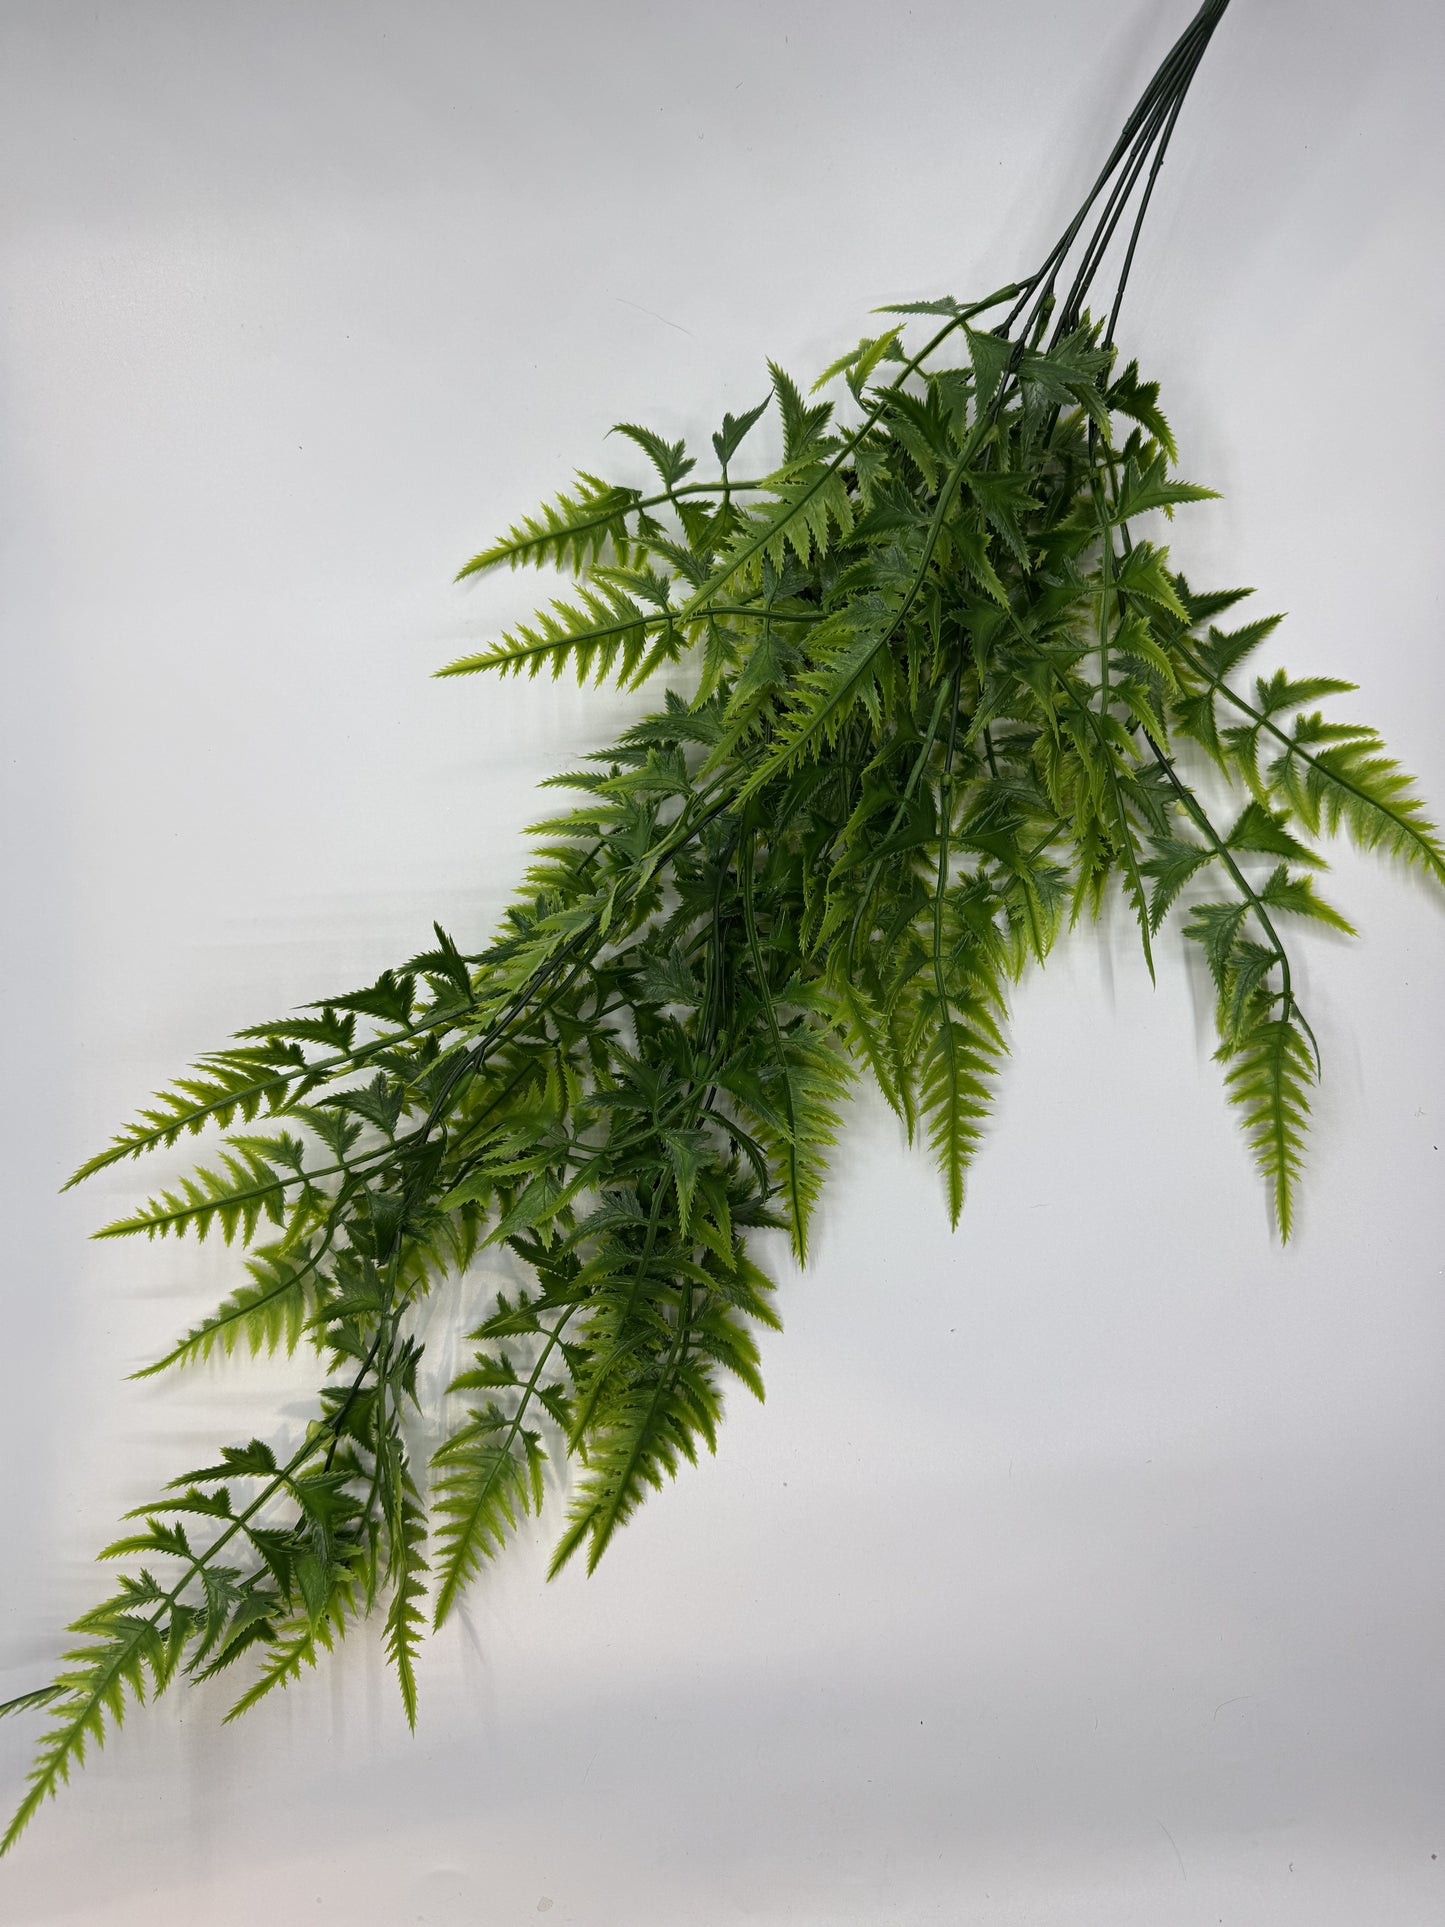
(95, 1689)
(1373, 796)
(265, 1313)
(210, 1098)
(1191, 804)
(1269, 1074)
(474, 1495)
(798, 507)
(573, 530)
(639, 1450)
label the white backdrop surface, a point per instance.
(1084, 1568)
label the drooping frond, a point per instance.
(1269, 1073)
(954, 1099)
(406, 1525)
(962, 1053)
(791, 1089)
(669, 1410)
(299, 1643)
(487, 1475)
(1332, 776)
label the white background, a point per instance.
(1084, 1566)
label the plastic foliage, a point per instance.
(943, 701)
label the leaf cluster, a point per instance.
(943, 696)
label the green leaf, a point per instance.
(956, 1094)
(802, 426)
(482, 1487)
(1172, 865)
(1297, 895)
(1142, 572)
(670, 459)
(729, 438)
(990, 355)
(1139, 401)
(1152, 489)
(1355, 784)
(235, 1198)
(1215, 926)
(1267, 831)
(860, 362)
(1281, 693)
(269, 1312)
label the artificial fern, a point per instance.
(944, 700)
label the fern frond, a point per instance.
(124, 1652)
(1139, 400)
(609, 627)
(488, 1474)
(571, 531)
(224, 1085)
(671, 1408)
(849, 667)
(793, 1088)
(274, 1074)
(407, 1563)
(1356, 784)
(1172, 865)
(1269, 1076)
(235, 1198)
(269, 1312)
(864, 1027)
(810, 502)
(297, 1645)
(957, 1072)
(670, 459)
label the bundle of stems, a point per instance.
(942, 700)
